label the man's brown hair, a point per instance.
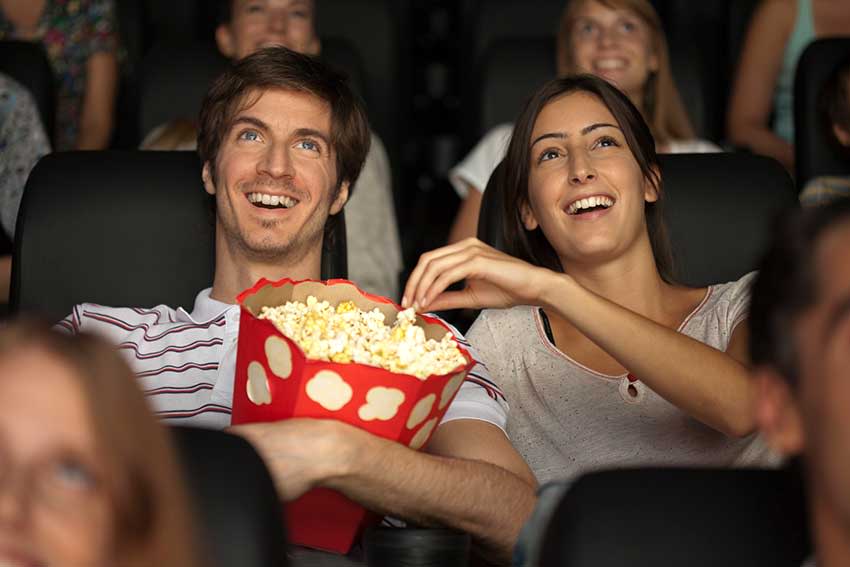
(282, 68)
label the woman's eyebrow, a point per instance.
(563, 135)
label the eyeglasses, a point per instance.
(64, 482)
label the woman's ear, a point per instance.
(650, 189)
(224, 40)
(777, 413)
(529, 221)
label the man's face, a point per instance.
(816, 420)
(263, 23)
(275, 176)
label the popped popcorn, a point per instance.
(348, 334)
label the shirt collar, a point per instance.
(206, 308)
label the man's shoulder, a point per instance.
(147, 323)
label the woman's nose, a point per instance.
(581, 168)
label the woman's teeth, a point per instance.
(583, 205)
(272, 200)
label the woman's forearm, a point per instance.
(706, 383)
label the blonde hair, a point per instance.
(662, 108)
(143, 479)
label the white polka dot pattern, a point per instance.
(381, 404)
(329, 390)
(450, 388)
(421, 411)
(422, 435)
(279, 356)
(258, 385)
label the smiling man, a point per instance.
(282, 140)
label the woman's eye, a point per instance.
(300, 14)
(254, 7)
(548, 155)
(249, 135)
(628, 27)
(586, 29)
(607, 142)
(309, 145)
(72, 473)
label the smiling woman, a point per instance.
(605, 360)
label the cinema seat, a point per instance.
(239, 514)
(673, 517)
(120, 228)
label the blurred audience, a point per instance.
(278, 179)
(603, 357)
(761, 107)
(81, 42)
(800, 322)
(87, 476)
(22, 143)
(621, 41)
(374, 248)
(834, 111)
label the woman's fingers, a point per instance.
(431, 263)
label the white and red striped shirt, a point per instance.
(185, 362)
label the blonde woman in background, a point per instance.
(621, 41)
(87, 475)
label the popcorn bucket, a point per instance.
(275, 381)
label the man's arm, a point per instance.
(470, 479)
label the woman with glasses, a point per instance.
(87, 476)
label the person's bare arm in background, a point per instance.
(96, 117)
(758, 70)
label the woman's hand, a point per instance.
(493, 279)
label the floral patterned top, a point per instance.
(22, 143)
(71, 31)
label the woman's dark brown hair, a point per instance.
(532, 246)
(151, 519)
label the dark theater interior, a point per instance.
(424, 283)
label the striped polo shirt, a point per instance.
(186, 362)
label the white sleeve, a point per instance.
(476, 167)
(738, 307)
(479, 397)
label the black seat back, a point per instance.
(120, 228)
(813, 154)
(667, 517)
(718, 210)
(240, 516)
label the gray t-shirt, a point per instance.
(567, 419)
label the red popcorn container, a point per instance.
(275, 381)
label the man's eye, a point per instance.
(586, 29)
(254, 7)
(309, 145)
(300, 14)
(249, 135)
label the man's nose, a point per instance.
(277, 162)
(278, 21)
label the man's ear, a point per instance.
(778, 413)
(529, 221)
(206, 177)
(650, 191)
(224, 40)
(341, 198)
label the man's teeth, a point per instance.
(589, 203)
(272, 200)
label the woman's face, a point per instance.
(256, 24)
(53, 506)
(585, 189)
(614, 44)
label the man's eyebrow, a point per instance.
(250, 120)
(586, 130)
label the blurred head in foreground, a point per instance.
(87, 475)
(800, 348)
